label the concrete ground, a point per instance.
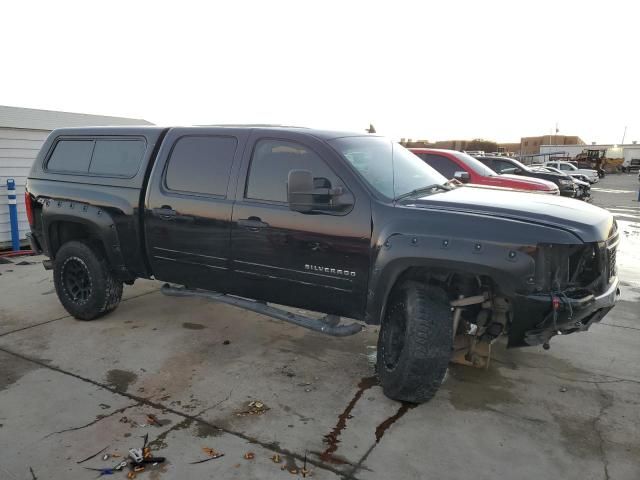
(68, 389)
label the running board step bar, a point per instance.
(329, 324)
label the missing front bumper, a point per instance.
(534, 323)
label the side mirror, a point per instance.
(462, 176)
(300, 191)
(306, 194)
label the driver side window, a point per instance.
(270, 165)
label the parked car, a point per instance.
(510, 166)
(631, 164)
(578, 176)
(583, 187)
(583, 191)
(344, 224)
(569, 168)
(467, 169)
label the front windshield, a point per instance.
(388, 167)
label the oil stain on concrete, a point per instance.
(160, 443)
(473, 388)
(120, 380)
(204, 430)
(12, 369)
(193, 326)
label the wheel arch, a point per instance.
(63, 221)
(507, 268)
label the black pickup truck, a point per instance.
(344, 224)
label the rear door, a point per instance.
(318, 261)
(443, 165)
(188, 206)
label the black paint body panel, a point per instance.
(340, 263)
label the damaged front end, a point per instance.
(575, 286)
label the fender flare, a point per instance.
(96, 220)
(510, 268)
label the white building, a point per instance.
(22, 133)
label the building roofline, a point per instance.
(37, 119)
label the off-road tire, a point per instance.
(415, 342)
(84, 283)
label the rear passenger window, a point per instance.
(71, 156)
(273, 159)
(445, 167)
(117, 157)
(201, 164)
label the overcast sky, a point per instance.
(429, 70)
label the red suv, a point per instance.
(467, 169)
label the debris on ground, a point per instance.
(153, 420)
(91, 456)
(207, 459)
(211, 453)
(563, 389)
(254, 407)
(138, 458)
(305, 472)
(276, 458)
(226, 342)
(249, 456)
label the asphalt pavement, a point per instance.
(282, 402)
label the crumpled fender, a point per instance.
(456, 242)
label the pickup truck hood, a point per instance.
(588, 222)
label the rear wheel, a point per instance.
(415, 342)
(84, 283)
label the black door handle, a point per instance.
(252, 223)
(165, 213)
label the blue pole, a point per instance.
(13, 214)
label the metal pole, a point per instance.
(13, 214)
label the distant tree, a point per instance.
(481, 144)
(371, 128)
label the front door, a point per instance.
(318, 261)
(188, 209)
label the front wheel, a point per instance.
(84, 283)
(415, 342)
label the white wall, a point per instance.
(569, 150)
(631, 153)
(18, 150)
